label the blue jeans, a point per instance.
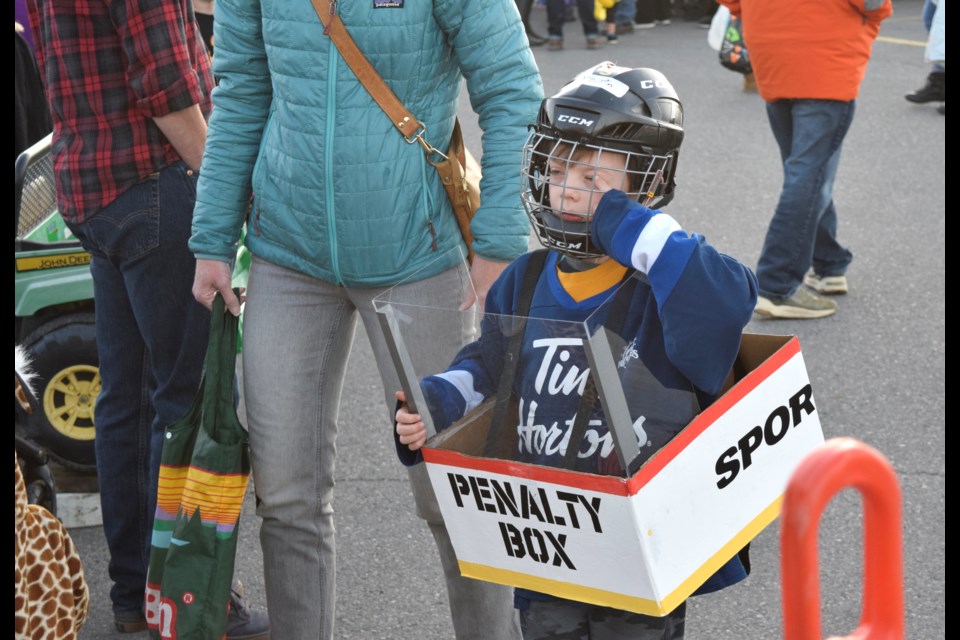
(151, 341)
(297, 337)
(625, 11)
(926, 14)
(556, 10)
(803, 231)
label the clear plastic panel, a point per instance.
(522, 383)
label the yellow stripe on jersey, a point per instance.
(586, 284)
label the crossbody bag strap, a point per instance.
(401, 118)
(511, 357)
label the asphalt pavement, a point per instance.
(877, 366)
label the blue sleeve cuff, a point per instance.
(617, 223)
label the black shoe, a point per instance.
(244, 623)
(942, 109)
(934, 91)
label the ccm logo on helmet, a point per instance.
(650, 84)
(777, 425)
(560, 244)
(576, 120)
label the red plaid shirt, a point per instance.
(110, 67)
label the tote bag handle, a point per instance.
(219, 370)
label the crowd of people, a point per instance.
(159, 186)
(604, 21)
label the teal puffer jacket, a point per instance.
(338, 193)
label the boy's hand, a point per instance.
(410, 429)
(600, 183)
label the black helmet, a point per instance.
(607, 111)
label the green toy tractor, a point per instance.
(54, 316)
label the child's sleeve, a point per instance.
(445, 405)
(704, 298)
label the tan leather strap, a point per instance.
(405, 122)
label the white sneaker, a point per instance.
(826, 285)
(802, 305)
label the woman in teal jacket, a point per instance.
(343, 208)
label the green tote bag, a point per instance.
(204, 470)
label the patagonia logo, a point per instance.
(388, 4)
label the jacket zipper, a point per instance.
(332, 55)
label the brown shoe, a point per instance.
(594, 42)
(130, 621)
(554, 44)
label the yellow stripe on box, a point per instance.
(739, 541)
(618, 600)
(562, 589)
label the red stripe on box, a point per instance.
(577, 480)
(622, 486)
(711, 414)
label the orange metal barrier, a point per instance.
(838, 464)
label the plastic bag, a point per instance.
(718, 27)
(733, 50)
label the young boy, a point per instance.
(604, 144)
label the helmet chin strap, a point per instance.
(567, 237)
(570, 264)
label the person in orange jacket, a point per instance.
(809, 60)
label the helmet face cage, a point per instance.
(560, 192)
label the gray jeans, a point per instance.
(297, 336)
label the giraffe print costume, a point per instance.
(51, 596)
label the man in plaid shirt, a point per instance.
(129, 86)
